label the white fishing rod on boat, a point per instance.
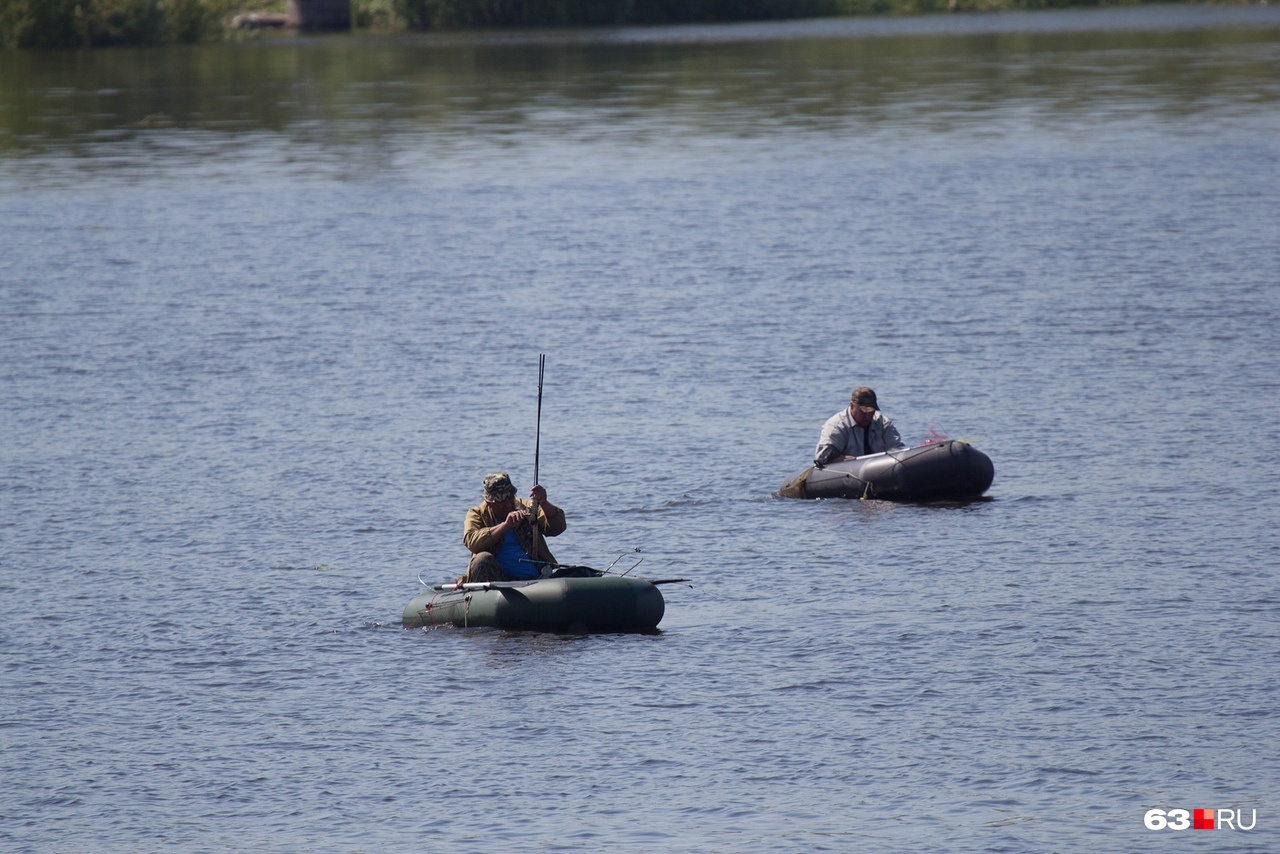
(460, 585)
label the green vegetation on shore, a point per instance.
(89, 23)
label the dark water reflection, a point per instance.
(821, 76)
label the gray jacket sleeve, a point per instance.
(891, 438)
(833, 439)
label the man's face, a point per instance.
(503, 507)
(862, 415)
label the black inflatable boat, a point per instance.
(950, 470)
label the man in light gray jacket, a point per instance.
(855, 431)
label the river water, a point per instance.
(270, 311)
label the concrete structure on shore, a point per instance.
(316, 15)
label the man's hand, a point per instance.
(538, 494)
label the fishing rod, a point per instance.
(537, 448)
(610, 567)
(537, 439)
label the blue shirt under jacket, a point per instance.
(513, 560)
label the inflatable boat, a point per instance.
(949, 470)
(579, 603)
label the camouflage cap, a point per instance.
(498, 487)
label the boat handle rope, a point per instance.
(866, 484)
(425, 614)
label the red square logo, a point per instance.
(1203, 820)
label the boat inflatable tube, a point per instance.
(950, 470)
(605, 603)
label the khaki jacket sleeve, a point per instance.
(551, 521)
(477, 530)
(477, 533)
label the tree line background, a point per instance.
(89, 23)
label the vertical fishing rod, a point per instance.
(537, 448)
(537, 440)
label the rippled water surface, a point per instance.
(270, 311)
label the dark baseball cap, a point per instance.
(863, 396)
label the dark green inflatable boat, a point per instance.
(597, 603)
